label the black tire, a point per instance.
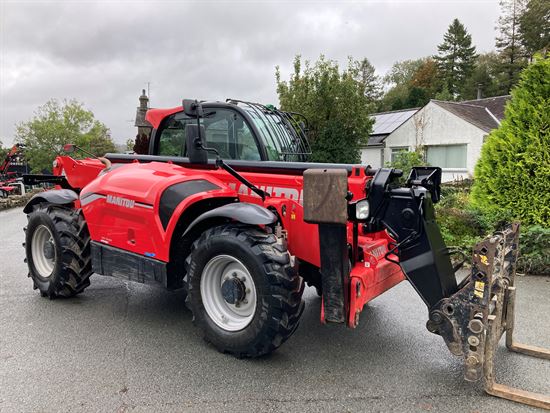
(278, 289)
(71, 246)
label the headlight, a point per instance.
(362, 209)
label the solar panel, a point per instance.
(386, 123)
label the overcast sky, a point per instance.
(103, 53)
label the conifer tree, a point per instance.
(513, 172)
(508, 42)
(456, 57)
(534, 27)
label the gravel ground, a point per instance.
(127, 347)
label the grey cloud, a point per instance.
(104, 53)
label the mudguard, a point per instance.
(243, 212)
(54, 196)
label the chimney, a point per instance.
(479, 94)
(143, 100)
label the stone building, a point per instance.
(144, 128)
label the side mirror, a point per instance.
(69, 148)
(195, 151)
(192, 108)
(428, 177)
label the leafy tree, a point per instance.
(513, 172)
(534, 27)
(335, 104)
(130, 144)
(417, 97)
(426, 77)
(56, 124)
(394, 99)
(487, 75)
(399, 78)
(456, 57)
(402, 72)
(415, 83)
(508, 41)
(405, 160)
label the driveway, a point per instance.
(128, 347)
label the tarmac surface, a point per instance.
(121, 347)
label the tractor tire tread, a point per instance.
(286, 287)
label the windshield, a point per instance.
(283, 133)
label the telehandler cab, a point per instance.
(225, 206)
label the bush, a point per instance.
(461, 226)
(405, 160)
(534, 251)
(513, 173)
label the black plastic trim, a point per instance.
(275, 167)
(54, 196)
(175, 194)
(243, 212)
(115, 262)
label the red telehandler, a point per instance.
(9, 182)
(225, 206)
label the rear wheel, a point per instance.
(57, 246)
(242, 290)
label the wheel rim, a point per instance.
(228, 272)
(43, 251)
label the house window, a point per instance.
(447, 156)
(394, 155)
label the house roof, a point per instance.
(495, 104)
(486, 114)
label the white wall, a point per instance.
(433, 125)
(372, 157)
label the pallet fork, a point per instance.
(501, 321)
(473, 320)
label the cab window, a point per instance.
(172, 137)
(225, 130)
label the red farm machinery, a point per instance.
(10, 180)
(226, 206)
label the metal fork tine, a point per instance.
(495, 331)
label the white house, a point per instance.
(451, 134)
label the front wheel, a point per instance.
(242, 290)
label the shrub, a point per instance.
(405, 160)
(461, 226)
(534, 251)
